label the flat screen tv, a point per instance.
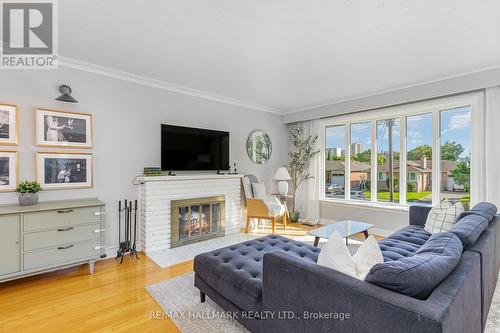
(193, 149)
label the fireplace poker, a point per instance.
(133, 250)
(126, 245)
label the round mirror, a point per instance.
(259, 146)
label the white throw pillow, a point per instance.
(259, 191)
(335, 255)
(367, 256)
(442, 217)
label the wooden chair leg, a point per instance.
(273, 221)
(248, 225)
(284, 220)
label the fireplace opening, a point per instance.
(198, 219)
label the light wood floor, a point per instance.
(113, 299)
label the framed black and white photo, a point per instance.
(8, 171)
(8, 124)
(64, 170)
(63, 129)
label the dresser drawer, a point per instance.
(62, 255)
(60, 218)
(63, 235)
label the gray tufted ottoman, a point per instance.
(232, 276)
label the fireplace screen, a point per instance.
(198, 219)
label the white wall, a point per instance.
(127, 118)
(385, 220)
(437, 89)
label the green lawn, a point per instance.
(410, 196)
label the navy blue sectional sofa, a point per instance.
(273, 284)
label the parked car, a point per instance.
(335, 188)
(341, 194)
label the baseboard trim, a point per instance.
(111, 251)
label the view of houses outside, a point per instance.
(335, 181)
(454, 163)
(455, 154)
(419, 158)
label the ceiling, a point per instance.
(284, 55)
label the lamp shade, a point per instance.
(282, 174)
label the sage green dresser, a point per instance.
(49, 236)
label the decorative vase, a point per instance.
(28, 199)
(294, 217)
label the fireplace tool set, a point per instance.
(128, 214)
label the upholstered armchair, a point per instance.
(260, 205)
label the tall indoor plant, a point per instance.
(28, 192)
(301, 153)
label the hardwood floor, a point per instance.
(113, 299)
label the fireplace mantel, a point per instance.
(157, 192)
(145, 179)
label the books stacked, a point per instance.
(152, 171)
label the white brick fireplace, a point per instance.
(156, 194)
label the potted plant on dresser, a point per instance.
(28, 192)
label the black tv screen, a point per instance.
(186, 148)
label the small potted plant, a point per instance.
(28, 192)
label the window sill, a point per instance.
(368, 204)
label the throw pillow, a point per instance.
(259, 191)
(418, 274)
(442, 217)
(335, 255)
(367, 256)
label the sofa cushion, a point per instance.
(393, 249)
(235, 271)
(469, 228)
(418, 274)
(486, 209)
(413, 234)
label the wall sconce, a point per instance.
(66, 94)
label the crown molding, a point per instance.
(391, 90)
(147, 81)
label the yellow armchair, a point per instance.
(258, 209)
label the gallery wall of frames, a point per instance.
(68, 165)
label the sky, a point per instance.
(455, 126)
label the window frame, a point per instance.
(473, 100)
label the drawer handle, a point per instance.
(99, 247)
(65, 229)
(99, 213)
(65, 247)
(65, 211)
(96, 231)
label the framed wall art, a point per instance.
(63, 129)
(61, 170)
(9, 170)
(8, 124)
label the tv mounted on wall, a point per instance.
(193, 149)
